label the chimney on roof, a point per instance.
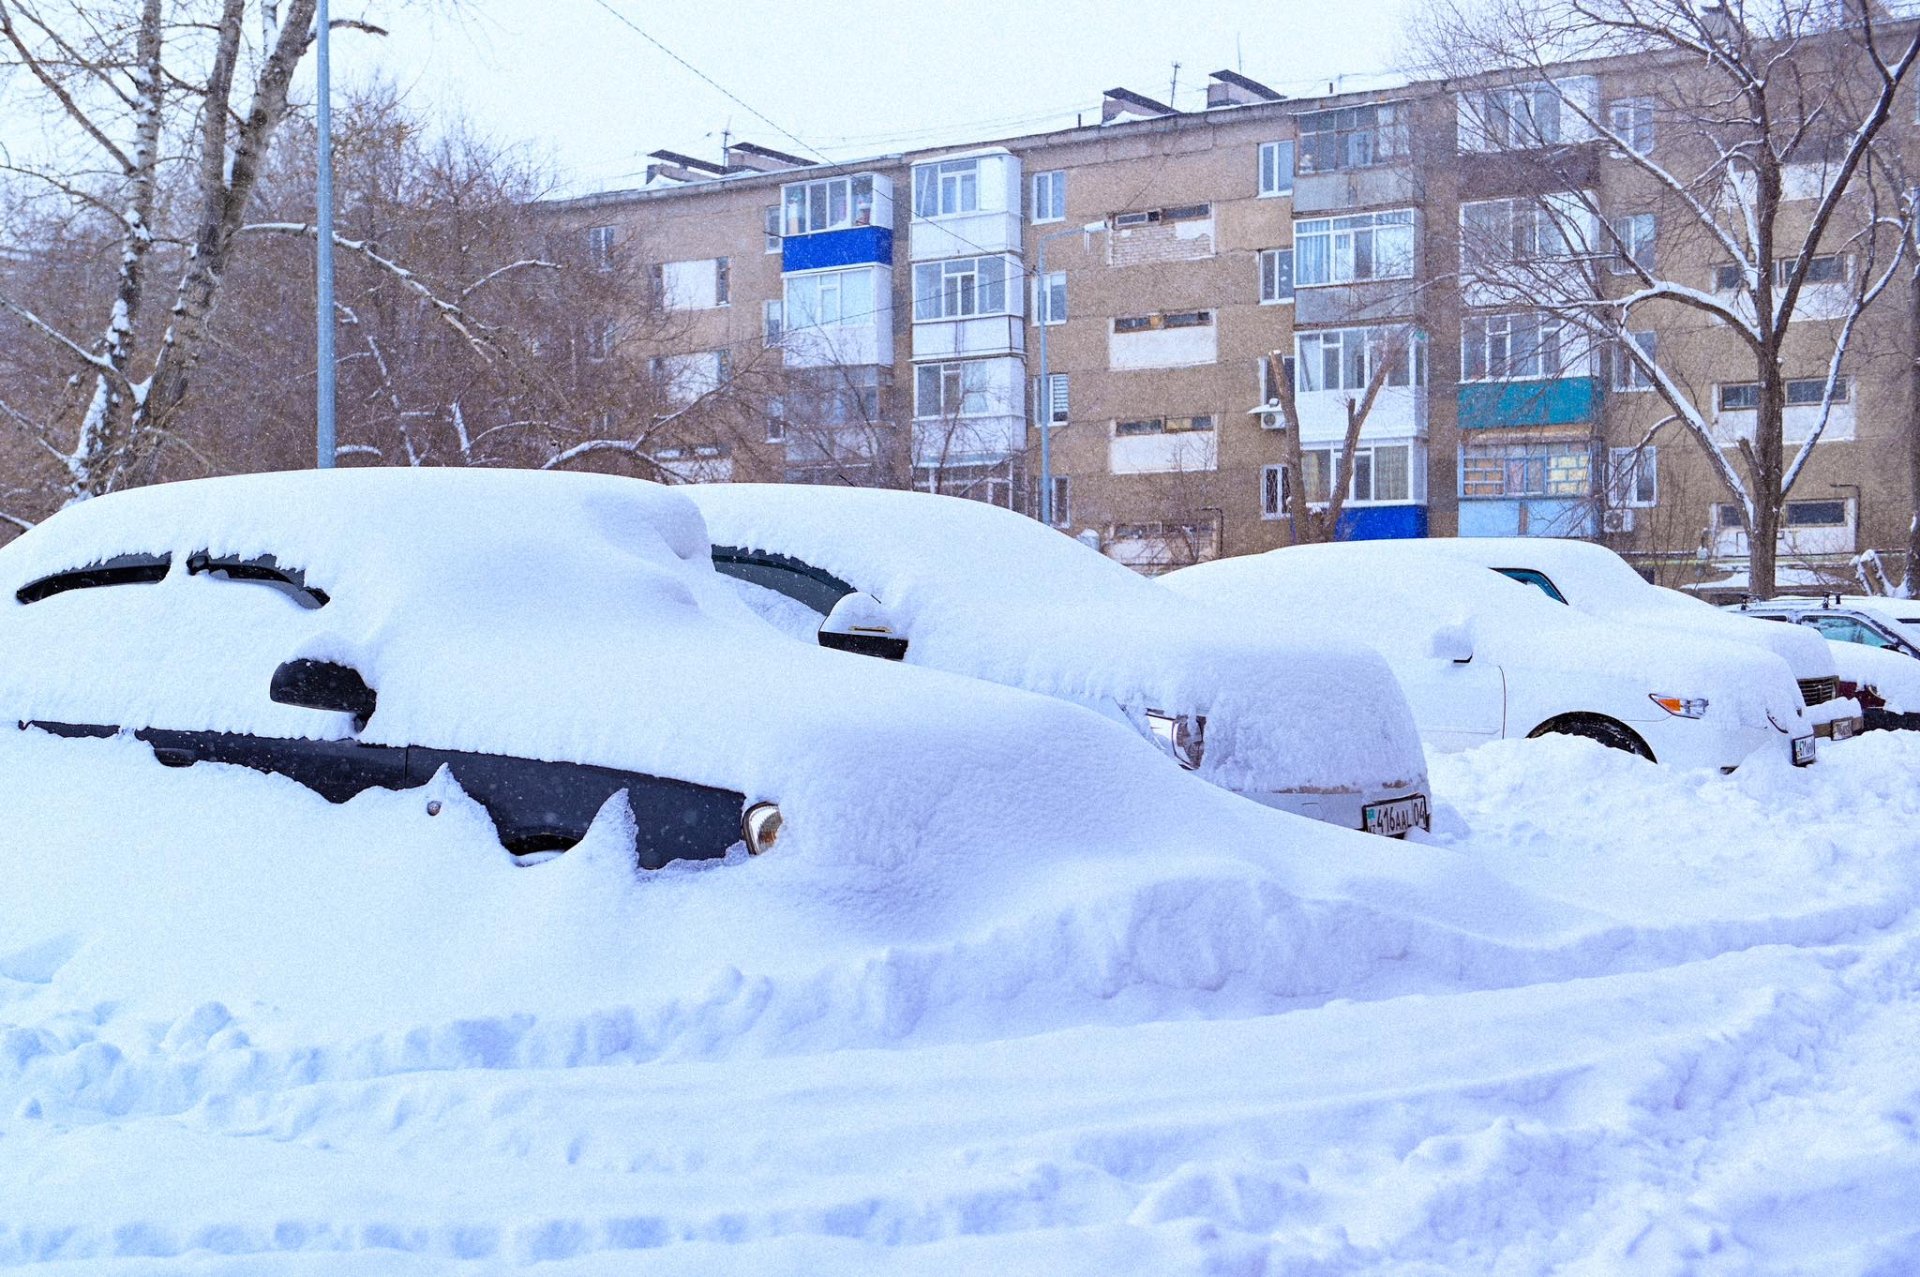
(761, 159)
(678, 160)
(1119, 102)
(1230, 88)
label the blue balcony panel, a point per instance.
(1383, 522)
(1526, 517)
(1563, 401)
(854, 246)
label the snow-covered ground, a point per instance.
(1609, 1018)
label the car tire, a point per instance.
(1609, 732)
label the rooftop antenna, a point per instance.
(1173, 88)
(1239, 58)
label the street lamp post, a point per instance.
(1045, 396)
(324, 439)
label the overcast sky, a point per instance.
(848, 78)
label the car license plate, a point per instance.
(1391, 819)
(1803, 751)
(1842, 728)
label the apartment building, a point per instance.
(891, 320)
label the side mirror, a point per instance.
(324, 685)
(1451, 643)
(860, 623)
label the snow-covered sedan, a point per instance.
(1482, 657)
(1313, 726)
(549, 640)
(1593, 579)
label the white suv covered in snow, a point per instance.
(1297, 721)
(1482, 657)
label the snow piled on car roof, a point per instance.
(564, 617)
(989, 593)
(1608, 1017)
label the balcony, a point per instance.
(1557, 401)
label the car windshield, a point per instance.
(122, 569)
(1536, 578)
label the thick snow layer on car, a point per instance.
(565, 617)
(1397, 595)
(985, 592)
(1595, 580)
(1608, 1017)
(1893, 676)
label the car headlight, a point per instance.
(760, 827)
(1680, 706)
(1182, 735)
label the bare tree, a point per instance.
(1315, 518)
(1754, 139)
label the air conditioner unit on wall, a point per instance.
(1616, 521)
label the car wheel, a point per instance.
(1612, 734)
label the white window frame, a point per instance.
(1633, 478)
(1335, 247)
(771, 228)
(1057, 404)
(601, 337)
(834, 282)
(773, 321)
(950, 298)
(1356, 354)
(723, 281)
(1364, 457)
(1530, 456)
(1555, 352)
(1276, 179)
(1635, 242)
(855, 207)
(1143, 427)
(1522, 117)
(946, 188)
(1631, 120)
(1386, 125)
(1527, 231)
(964, 381)
(1049, 192)
(600, 242)
(1274, 491)
(1050, 298)
(1062, 509)
(1270, 284)
(1628, 376)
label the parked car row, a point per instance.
(1875, 642)
(706, 662)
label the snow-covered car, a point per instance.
(1318, 727)
(1593, 579)
(1482, 657)
(550, 640)
(1892, 624)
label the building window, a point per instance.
(945, 392)
(946, 188)
(827, 205)
(1062, 501)
(1631, 120)
(1627, 372)
(1345, 358)
(1816, 514)
(772, 321)
(1830, 268)
(1507, 232)
(601, 337)
(1276, 275)
(722, 281)
(830, 299)
(1170, 319)
(1381, 473)
(960, 288)
(771, 225)
(600, 247)
(1346, 250)
(1155, 216)
(1162, 426)
(1518, 117)
(777, 421)
(1516, 347)
(1526, 470)
(1050, 298)
(1273, 492)
(1051, 409)
(1353, 137)
(1802, 392)
(1276, 168)
(1633, 477)
(1633, 243)
(1050, 196)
